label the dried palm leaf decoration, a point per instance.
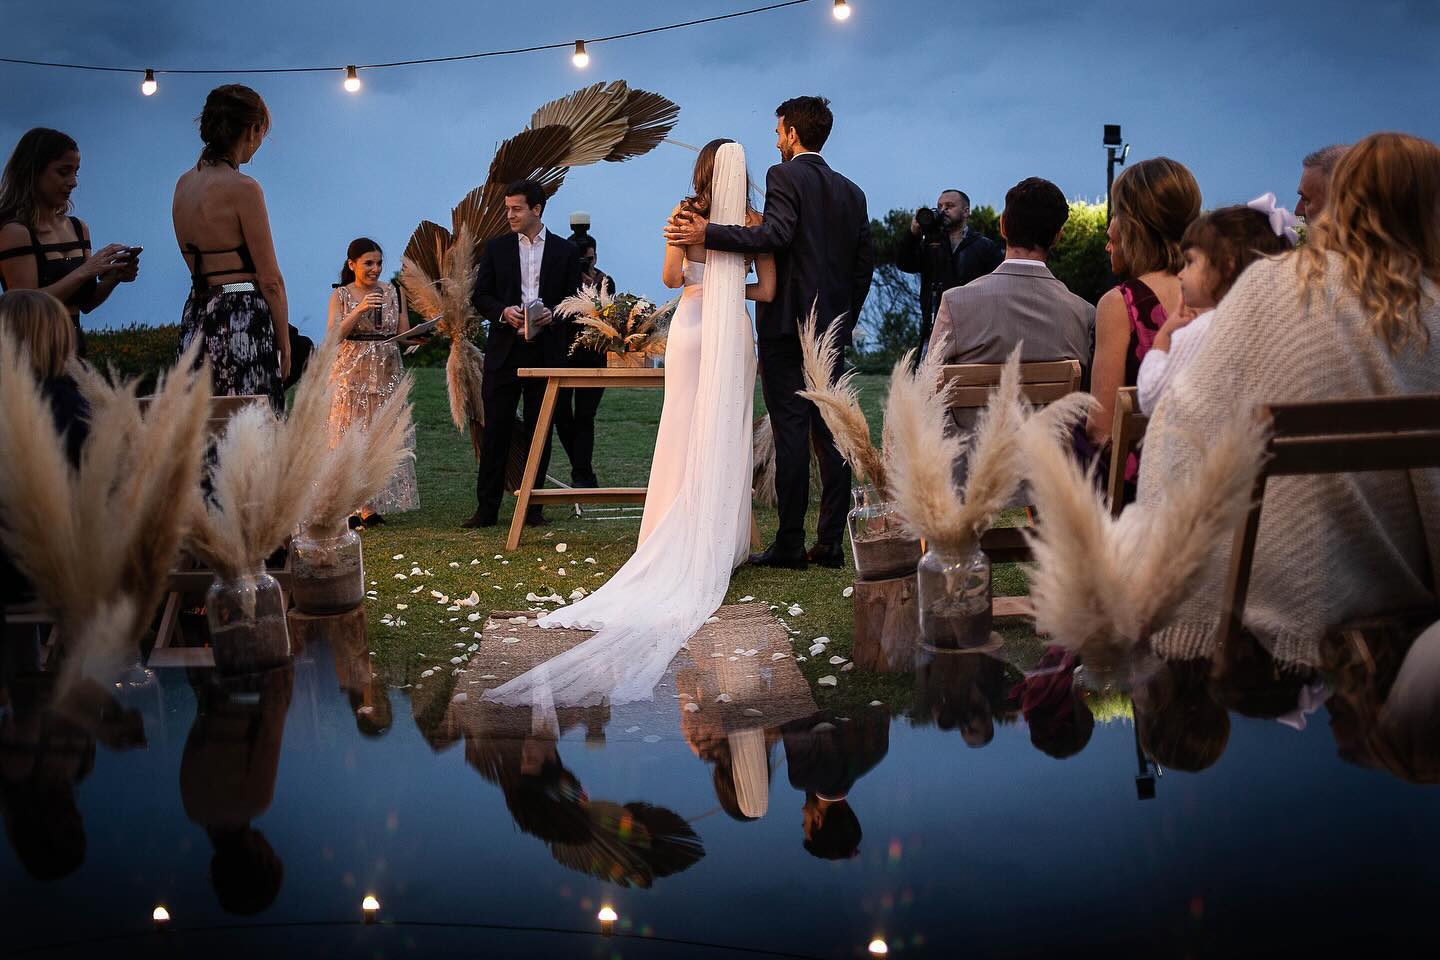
(604, 122)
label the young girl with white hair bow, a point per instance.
(1218, 246)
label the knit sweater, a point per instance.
(1331, 548)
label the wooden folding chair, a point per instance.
(1127, 429)
(1339, 436)
(1041, 383)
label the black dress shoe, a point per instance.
(586, 481)
(773, 557)
(372, 520)
(355, 522)
(827, 555)
(478, 520)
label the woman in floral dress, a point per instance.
(367, 369)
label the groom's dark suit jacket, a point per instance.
(497, 286)
(817, 226)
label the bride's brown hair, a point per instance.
(699, 201)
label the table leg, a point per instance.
(532, 463)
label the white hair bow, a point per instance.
(1282, 221)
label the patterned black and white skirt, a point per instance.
(239, 342)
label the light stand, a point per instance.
(1116, 150)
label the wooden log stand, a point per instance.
(887, 624)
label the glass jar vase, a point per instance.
(881, 546)
(246, 616)
(953, 593)
(328, 570)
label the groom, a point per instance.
(817, 227)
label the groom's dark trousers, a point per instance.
(817, 227)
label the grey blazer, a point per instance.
(984, 320)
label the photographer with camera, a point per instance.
(942, 248)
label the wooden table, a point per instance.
(578, 378)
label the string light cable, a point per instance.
(579, 49)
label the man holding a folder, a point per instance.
(521, 278)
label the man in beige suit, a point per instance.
(1021, 300)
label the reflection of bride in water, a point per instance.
(696, 525)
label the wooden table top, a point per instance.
(593, 373)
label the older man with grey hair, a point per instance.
(1314, 188)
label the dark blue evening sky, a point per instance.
(927, 94)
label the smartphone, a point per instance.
(133, 252)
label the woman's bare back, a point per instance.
(206, 214)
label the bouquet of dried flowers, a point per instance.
(623, 323)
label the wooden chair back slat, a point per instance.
(1127, 429)
(988, 374)
(1338, 436)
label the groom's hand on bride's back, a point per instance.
(685, 229)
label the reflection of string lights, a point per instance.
(370, 906)
(878, 947)
(607, 917)
(581, 57)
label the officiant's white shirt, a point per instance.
(531, 253)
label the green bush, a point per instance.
(134, 351)
(1079, 260)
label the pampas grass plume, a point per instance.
(839, 402)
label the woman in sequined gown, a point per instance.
(367, 370)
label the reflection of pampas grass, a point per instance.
(921, 452)
(839, 402)
(1084, 585)
(361, 464)
(264, 479)
(96, 542)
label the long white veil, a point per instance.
(678, 576)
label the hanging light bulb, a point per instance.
(352, 79)
(842, 10)
(581, 58)
(160, 915)
(148, 86)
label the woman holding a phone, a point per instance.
(43, 247)
(369, 314)
(237, 299)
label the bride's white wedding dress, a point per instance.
(696, 526)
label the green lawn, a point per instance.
(432, 540)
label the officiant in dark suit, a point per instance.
(525, 265)
(817, 227)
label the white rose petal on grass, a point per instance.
(454, 563)
(427, 673)
(398, 556)
(456, 661)
(589, 559)
(474, 562)
(561, 547)
(821, 640)
(416, 571)
(560, 572)
(800, 659)
(401, 576)
(778, 656)
(828, 681)
(848, 592)
(692, 707)
(847, 668)
(836, 660)
(875, 703)
(795, 610)
(577, 594)
(472, 617)
(402, 606)
(817, 649)
(745, 599)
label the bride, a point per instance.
(696, 527)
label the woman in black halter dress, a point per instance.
(237, 299)
(42, 247)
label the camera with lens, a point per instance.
(933, 224)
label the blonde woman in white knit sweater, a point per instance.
(1353, 313)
